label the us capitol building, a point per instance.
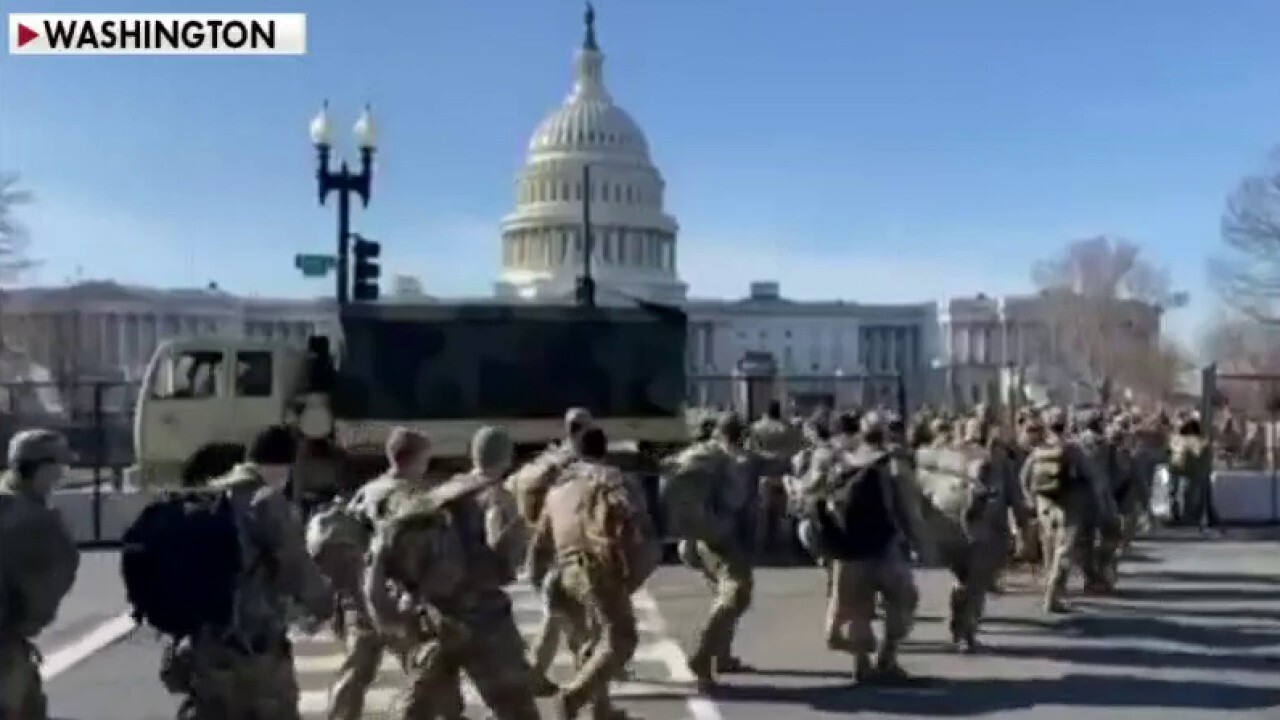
(587, 155)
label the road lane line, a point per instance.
(77, 651)
(673, 657)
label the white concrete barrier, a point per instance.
(1239, 496)
(1246, 496)
(118, 511)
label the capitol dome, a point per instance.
(589, 142)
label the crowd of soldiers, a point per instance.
(975, 520)
(428, 581)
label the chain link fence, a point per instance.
(97, 419)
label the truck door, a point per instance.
(258, 392)
(187, 405)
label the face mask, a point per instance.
(47, 478)
(275, 477)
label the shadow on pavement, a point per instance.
(1165, 595)
(1202, 578)
(1242, 614)
(1140, 625)
(1130, 657)
(969, 697)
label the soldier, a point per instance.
(408, 455)
(977, 562)
(595, 567)
(940, 432)
(546, 641)
(1191, 465)
(873, 561)
(846, 433)
(817, 437)
(247, 671)
(38, 565)
(435, 549)
(1102, 520)
(775, 443)
(1130, 492)
(726, 562)
(1063, 485)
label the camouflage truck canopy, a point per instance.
(488, 360)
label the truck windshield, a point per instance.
(511, 362)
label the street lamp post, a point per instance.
(345, 183)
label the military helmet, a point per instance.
(730, 426)
(32, 447)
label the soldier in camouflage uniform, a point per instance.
(408, 455)
(468, 622)
(1063, 511)
(977, 565)
(593, 593)
(547, 640)
(249, 672)
(38, 565)
(775, 443)
(1102, 522)
(726, 562)
(857, 584)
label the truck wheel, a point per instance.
(209, 462)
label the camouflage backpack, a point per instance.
(428, 556)
(689, 480)
(1050, 475)
(534, 479)
(1184, 455)
(337, 538)
(616, 526)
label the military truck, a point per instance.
(444, 369)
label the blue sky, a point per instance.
(879, 151)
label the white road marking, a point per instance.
(77, 651)
(318, 659)
(674, 657)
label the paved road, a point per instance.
(1195, 633)
(97, 597)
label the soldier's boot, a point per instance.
(730, 664)
(703, 671)
(887, 669)
(567, 706)
(864, 670)
(542, 686)
(955, 621)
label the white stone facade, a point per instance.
(106, 330)
(859, 350)
(991, 347)
(633, 239)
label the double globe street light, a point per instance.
(346, 183)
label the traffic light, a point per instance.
(367, 270)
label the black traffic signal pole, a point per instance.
(345, 183)
(367, 271)
(586, 290)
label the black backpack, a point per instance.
(855, 520)
(181, 563)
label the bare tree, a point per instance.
(1101, 308)
(1244, 346)
(1247, 273)
(14, 239)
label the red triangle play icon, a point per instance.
(26, 35)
